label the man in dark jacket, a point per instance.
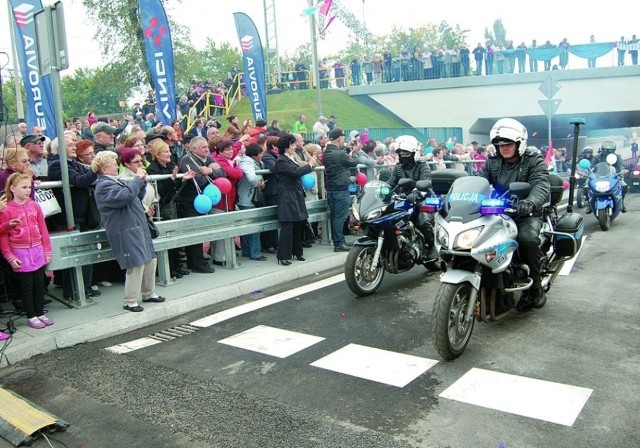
(513, 163)
(337, 163)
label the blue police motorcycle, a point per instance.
(605, 190)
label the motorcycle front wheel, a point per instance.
(361, 277)
(450, 328)
(580, 198)
(604, 219)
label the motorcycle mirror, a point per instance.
(611, 159)
(520, 189)
(423, 185)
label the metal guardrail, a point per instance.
(76, 249)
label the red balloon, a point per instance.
(223, 184)
(565, 184)
(361, 179)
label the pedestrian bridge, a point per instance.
(605, 97)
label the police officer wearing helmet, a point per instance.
(608, 147)
(409, 168)
(587, 153)
(514, 163)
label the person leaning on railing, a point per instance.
(168, 190)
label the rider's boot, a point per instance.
(432, 254)
(537, 297)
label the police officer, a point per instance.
(608, 147)
(514, 163)
(409, 168)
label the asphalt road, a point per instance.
(567, 375)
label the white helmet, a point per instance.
(407, 143)
(508, 130)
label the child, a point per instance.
(26, 246)
(3, 230)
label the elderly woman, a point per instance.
(132, 160)
(124, 220)
(269, 238)
(136, 141)
(17, 161)
(247, 186)
(292, 211)
(168, 189)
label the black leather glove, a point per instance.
(413, 196)
(525, 208)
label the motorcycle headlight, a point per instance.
(603, 186)
(465, 240)
(354, 212)
(373, 214)
(443, 237)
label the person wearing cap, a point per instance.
(513, 162)
(320, 127)
(103, 136)
(34, 145)
(337, 164)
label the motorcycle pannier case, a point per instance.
(557, 188)
(572, 224)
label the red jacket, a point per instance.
(31, 232)
(234, 174)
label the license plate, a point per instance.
(636, 183)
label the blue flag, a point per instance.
(159, 49)
(253, 62)
(40, 110)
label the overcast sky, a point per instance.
(524, 21)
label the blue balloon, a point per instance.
(308, 181)
(584, 164)
(202, 204)
(353, 188)
(213, 192)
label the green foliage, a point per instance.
(498, 35)
(9, 99)
(99, 90)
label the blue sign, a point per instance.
(159, 49)
(253, 62)
(39, 92)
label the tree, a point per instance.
(9, 100)
(498, 35)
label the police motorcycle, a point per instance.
(395, 228)
(483, 279)
(605, 190)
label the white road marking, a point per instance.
(568, 265)
(382, 366)
(249, 307)
(271, 341)
(130, 346)
(529, 397)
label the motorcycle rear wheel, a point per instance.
(360, 279)
(604, 219)
(449, 329)
(580, 198)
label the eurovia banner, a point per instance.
(39, 92)
(253, 63)
(159, 49)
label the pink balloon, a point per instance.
(565, 184)
(223, 184)
(361, 179)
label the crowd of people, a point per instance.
(418, 63)
(108, 162)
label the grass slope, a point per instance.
(289, 105)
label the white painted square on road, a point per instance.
(382, 366)
(529, 397)
(271, 341)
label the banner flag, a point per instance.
(325, 7)
(159, 49)
(253, 62)
(39, 92)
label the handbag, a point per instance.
(153, 230)
(47, 201)
(258, 197)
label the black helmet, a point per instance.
(608, 147)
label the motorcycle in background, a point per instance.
(605, 190)
(395, 233)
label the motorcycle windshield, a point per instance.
(603, 170)
(465, 198)
(375, 194)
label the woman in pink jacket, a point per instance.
(26, 246)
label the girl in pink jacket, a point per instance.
(26, 246)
